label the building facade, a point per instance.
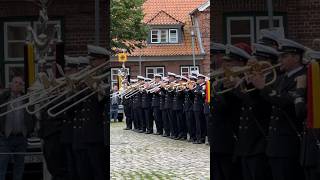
(241, 20)
(77, 21)
(169, 43)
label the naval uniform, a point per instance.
(285, 128)
(224, 136)
(127, 104)
(252, 132)
(170, 114)
(198, 113)
(147, 111)
(164, 116)
(155, 104)
(177, 106)
(188, 110)
(89, 139)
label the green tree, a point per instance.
(127, 28)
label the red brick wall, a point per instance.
(78, 17)
(204, 25)
(303, 17)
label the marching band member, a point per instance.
(163, 108)
(188, 108)
(198, 103)
(177, 107)
(146, 106)
(254, 122)
(140, 120)
(155, 104)
(225, 120)
(283, 146)
(88, 129)
(171, 119)
(127, 105)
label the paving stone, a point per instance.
(146, 156)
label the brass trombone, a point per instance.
(230, 74)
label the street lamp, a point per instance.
(193, 53)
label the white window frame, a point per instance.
(112, 74)
(7, 67)
(259, 18)
(154, 68)
(35, 23)
(167, 36)
(251, 35)
(6, 41)
(158, 36)
(189, 68)
(177, 36)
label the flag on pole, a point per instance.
(313, 95)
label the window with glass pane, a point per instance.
(186, 70)
(164, 36)
(151, 71)
(15, 37)
(240, 29)
(155, 36)
(262, 22)
(173, 35)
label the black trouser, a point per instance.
(200, 123)
(256, 167)
(312, 173)
(91, 162)
(286, 168)
(165, 120)
(56, 157)
(136, 119)
(181, 124)
(191, 124)
(173, 123)
(128, 113)
(224, 168)
(158, 119)
(142, 121)
(148, 119)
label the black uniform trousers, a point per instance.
(173, 123)
(181, 124)
(191, 124)
(91, 161)
(165, 121)
(200, 125)
(224, 168)
(158, 119)
(129, 116)
(141, 120)
(255, 167)
(148, 119)
(135, 118)
(285, 168)
(56, 157)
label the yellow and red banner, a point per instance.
(313, 95)
(208, 94)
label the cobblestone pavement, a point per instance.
(147, 156)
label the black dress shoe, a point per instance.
(197, 142)
(183, 138)
(141, 131)
(126, 128)
(176, 138)
(148, 132)
(164, 135)
(158, 133)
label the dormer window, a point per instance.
(164, 36)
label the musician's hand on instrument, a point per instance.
(258, 80)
